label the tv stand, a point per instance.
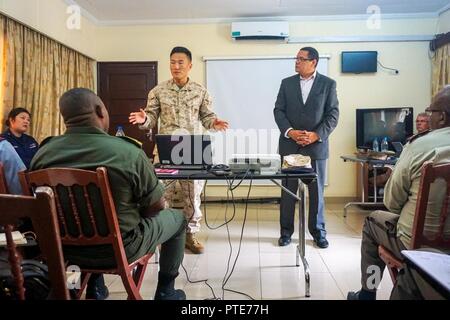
(369, 197)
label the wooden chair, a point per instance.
(3, 186)
(87, 217)
(42, 212)
(430, 173)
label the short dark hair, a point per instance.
(14, 113)
(77, 102)
(313, 54)
(182, 50)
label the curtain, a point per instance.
(441, 69)
(36, 72)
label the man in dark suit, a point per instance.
(306, 112)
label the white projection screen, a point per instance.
(244, 90)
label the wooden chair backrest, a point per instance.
(85, 206)
(431, 173)
(3, 185)
(42, 212)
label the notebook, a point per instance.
(17, 237)
(184, 152)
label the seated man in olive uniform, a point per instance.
(138, 195)
(393, 229)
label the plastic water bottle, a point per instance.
(375, 146)
(149, 134)
(119, 132)
(384, 145)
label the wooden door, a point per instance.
(124, 87)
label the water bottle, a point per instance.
(375, 145)
(149, 135)
(384, 145)
(119, 132)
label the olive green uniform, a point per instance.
(134, 187)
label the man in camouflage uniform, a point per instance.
(393, 229)
(182, 107)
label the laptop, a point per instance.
(398, 147)
(184, 152)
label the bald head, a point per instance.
(80, 107)
(442, 99)
(440, 109)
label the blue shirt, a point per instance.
(25, 146)
(12, 164)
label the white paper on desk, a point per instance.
(436, 265)
(18, 238)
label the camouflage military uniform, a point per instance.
(185, 110)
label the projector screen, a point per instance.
(244, 91)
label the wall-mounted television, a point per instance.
(397, 124)
(359, 61)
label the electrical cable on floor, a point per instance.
(198, 281)
(226, 278)
(187, 276)
(226, 209)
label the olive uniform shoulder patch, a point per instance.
(136, 142)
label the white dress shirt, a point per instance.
(305, 88)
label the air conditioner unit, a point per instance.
(260, 30)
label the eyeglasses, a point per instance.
(430, 112)
(301, 59)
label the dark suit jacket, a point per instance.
(320, 114)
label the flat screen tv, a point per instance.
(397, 124)
(359, 61)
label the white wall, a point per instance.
(444, 22)
(154, 42)
(50, 17)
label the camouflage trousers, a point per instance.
(191, 191)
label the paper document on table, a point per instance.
(18, 238)
(436, 265)
(296, 160)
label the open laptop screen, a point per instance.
(184, 150)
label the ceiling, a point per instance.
(106, 12)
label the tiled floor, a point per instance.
(263, 270)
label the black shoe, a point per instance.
(174, 294)
(284, 241)
(361, 295)
(101, 293)
(321, 242)
(96, 288)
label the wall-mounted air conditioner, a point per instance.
(260, 30)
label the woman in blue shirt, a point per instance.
(18, 123)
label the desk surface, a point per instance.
(354, 158)
(205, 175)
(433, 266)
